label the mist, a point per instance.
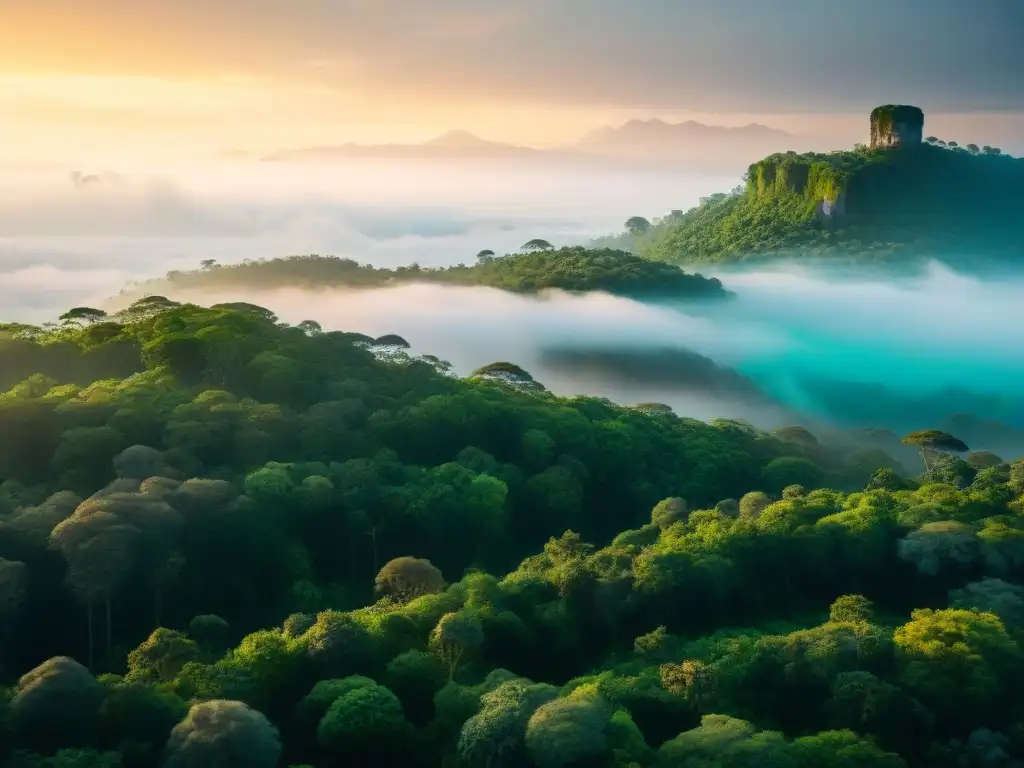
(79, 242)
(812, 345)
(804, 346)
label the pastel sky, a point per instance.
(259, 73)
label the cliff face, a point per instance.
(821, 186)
(896, 126)
(819, 180)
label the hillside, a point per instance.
(226, 541)
(570, 269)
(884, 203)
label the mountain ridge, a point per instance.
(635, 137)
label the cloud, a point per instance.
(704, 55)
(33, 292)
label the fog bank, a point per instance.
(854, 349)
(872, 353)
(126, 224)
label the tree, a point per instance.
(141, 462)
(652, 645)
(55, 704)
(693, 680)
(416, 677)
(408, 577)
(226, 734)
(728, 507)
(100, 551)
(253, 309)
(297, 624)
(507, 373)
(637, 225)
(956, 658)
(939, 545)
(391, 340)
(83, 315)
(495, 735)
(851, 608)
(973, 149)
(310, 327)
(455, 635)
(724, 740)
(13, 584)
(654, 409)
(754, 503)
(368, 720)
(209, 631)
(568, 732)
(161, 656)
(537, 245)
(992, 596)
(146, 308)
(888, 480)
(485, 257)
(841, 749)
(339, 646)
(314, 705)
(140, 716)
(208, 263)
(932, 443)
(669, 511)
(860, 700)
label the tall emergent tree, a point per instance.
(934, 443)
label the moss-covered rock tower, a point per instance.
(894, 126)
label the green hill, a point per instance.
(569, 269)
(873, 203)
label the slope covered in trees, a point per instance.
(226, 541)
(864, 205)
(541, 267)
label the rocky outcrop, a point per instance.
(896, 126)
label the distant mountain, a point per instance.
(657, 137)
(635, 141)
(453, 145)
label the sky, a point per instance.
(156, 77)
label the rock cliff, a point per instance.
(895, 126)
(816, 181)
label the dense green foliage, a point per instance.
(882, 205)
(229, 542)
(569, 269)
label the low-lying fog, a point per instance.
(939, 345)
(877, 352)
(63, 242)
